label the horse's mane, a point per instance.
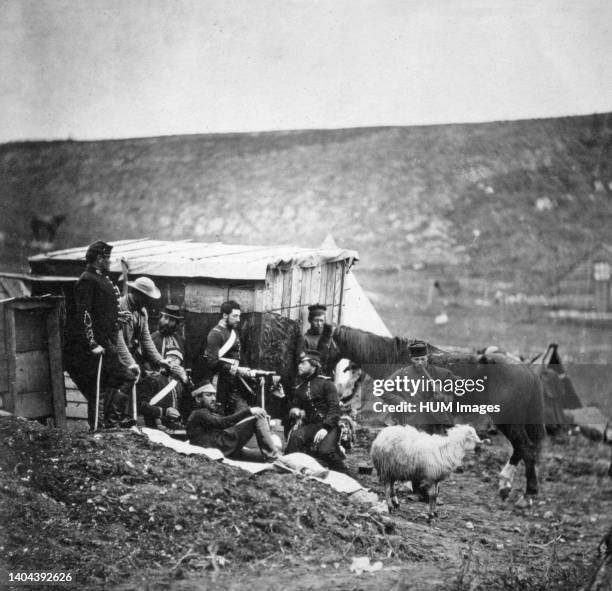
(368, 348)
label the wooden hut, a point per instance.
(13, 285)
(587, 284)
(273, 284)
(31, 378)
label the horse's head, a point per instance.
(364, 347)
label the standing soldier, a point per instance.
(430, 379)
(141, 294)
(222, 356)
(319, 338)
(141, 349)
(93, 340)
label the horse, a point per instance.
(44, 230)
(514, 387)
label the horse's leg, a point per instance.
(530, 473)
(527, 450)
(506, 476)
(530, 456)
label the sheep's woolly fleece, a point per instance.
(402, 453)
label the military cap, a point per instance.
(97, 249)
(316, 310)
(418, 349)
(204, 387)
(174, 352)
(311, 355)
(172, 311)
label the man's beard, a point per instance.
(215, 407)
(166, 330)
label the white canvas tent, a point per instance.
(357, 309)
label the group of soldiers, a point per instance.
(122, 369)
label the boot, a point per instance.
(337, 466)
(116, 410)
(268, 449)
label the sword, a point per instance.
(134, 409)
(163, 392)
(97, 408)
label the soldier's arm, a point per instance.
(125, 357)
(149, 349)
(210, 420)
(84, 296)
(333, 406)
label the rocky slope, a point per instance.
(514, 200)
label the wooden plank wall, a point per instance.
(4, 359)
(289, 291)
(76, 406)
(30, 359)
(202, 297)
(33, 385)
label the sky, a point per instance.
(96, 69)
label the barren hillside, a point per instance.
(512, 200)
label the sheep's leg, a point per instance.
(393, 495)
(390, 496)
(432, 493)
(387, 495)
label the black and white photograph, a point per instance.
(306, 294)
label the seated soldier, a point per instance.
(172, 410)
(207, 427)
(168, 333)
(315, 403)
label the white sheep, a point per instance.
(403, 453)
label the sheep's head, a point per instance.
(466, 434)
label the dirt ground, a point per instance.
(122, 513)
